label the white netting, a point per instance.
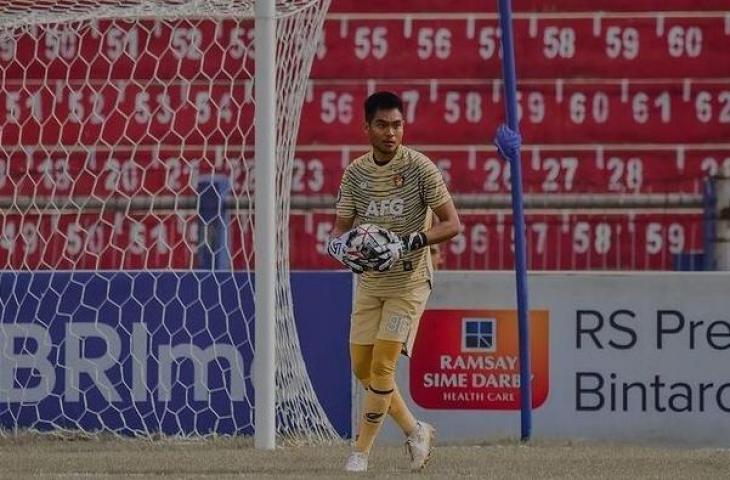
(125, 230)
(18, 13)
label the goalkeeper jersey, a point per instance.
(398, 196)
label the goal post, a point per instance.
(265, 228)
(122, 309)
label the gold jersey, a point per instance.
(398, 196)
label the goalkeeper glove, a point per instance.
(339, 249)
(385, 256)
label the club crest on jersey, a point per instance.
(398, 180)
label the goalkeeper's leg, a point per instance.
(362, 357)
(379, 394)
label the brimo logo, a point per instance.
(385, 207)
(28, 347)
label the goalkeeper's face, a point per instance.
(385, 131)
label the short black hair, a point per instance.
(381, 101)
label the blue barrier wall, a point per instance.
(322, 305)
(155, 351)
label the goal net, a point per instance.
(126, 221)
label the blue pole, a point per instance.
(510, 97)
(213, 250)
(709, 203)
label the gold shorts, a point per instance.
(392, 317)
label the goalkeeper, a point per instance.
(396, 188)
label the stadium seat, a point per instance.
(558, 111)
(611, 104)
(590, 45)
(558, 240)
(417, 6)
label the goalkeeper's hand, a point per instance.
(385, 256)
(339, 249)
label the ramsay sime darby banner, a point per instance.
(468, 359)
(615, 356)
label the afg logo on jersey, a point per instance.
(469, 359)
(382, 208)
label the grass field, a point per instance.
(41, 457)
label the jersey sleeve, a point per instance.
(345, 206)
(435, 191)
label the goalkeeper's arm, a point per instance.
(446, 228)
(342, 225)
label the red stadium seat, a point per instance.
(126, 51)
(122, 171)
(448, 6)
(554, 169)
(566, 240)
(105, 240)
(634, 99)
(589, 45)
(168, 171)
(654, 45)
(566, 169)
(565, 112)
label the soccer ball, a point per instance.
(367, 236)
